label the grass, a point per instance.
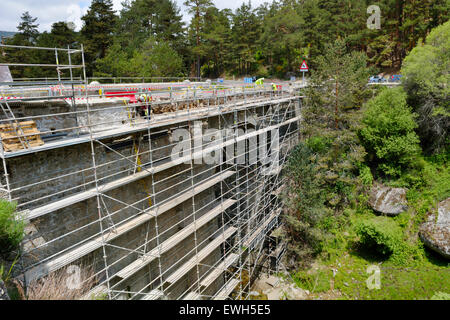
(397, 283)
(315, 282)
(59, 285)
(11, 228)
(422, 274)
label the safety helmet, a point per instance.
(143, 98)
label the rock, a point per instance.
(3, 292)
(435, 233)
(388, 201)
(277, 289)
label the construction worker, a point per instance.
(144, 109)
(260, 82)
(274, 87)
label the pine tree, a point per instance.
(198, 8)
(97, 30)
(337, 90)
(217, 42)
(246, 32)
(142, 19)
(27, 36)
(28, 28)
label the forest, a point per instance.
(148, 38)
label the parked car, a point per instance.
(377, 79)
(396, 78)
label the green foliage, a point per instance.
(5, 276)
(11, 227)
(338, 85)
(100, 296)
(384, 236)
(156, 59)
(152, 59)
(142, 19)
(388, 133)
(397, 282)
(319, 144)
(441, 296)
(306, 204)
(28, 27)
(314, 282)
(381, 234)
(427, 83)
(366, 175)
(270, 40)
(97, 31)
(435, 188)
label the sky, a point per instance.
(50, 11)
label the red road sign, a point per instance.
(304, 67)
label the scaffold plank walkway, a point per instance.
(191, 263)
(95, 243)
(70, 200)
(137, 265)
(218, 270)
(227, 289)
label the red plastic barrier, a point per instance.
(122, 94)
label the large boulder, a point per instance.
(435, 232)
(388, 201)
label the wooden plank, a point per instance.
(192, 296)
(24, 123)
(191, 263)
(170, 243)
(95, 243)
(11, 142)
(153, 295)
(67, 201)
(218, 270)
(227, 289)
(254, 235)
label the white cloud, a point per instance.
(50, 11)
(47, 12)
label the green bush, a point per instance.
(381, 234)
(426, 80)
(11, 227)
(319, 144)
(385, 236)
(366, 175)
(388, 133)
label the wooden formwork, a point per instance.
(11, 138)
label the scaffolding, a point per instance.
(106, 190)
